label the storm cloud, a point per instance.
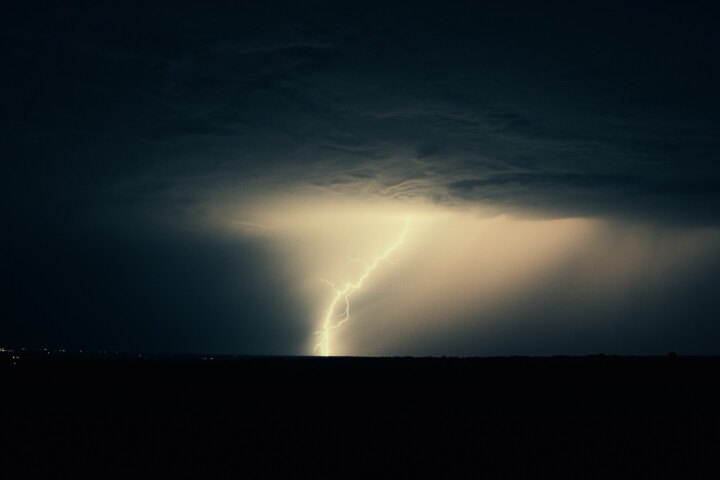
(148, 131)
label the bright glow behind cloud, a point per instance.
(460, 275)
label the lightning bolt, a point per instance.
(342, 295)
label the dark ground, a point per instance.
(239, 417)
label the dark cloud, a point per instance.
(482, 90)
(620, 196)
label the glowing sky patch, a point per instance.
(462, 278)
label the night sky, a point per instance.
(181, 177)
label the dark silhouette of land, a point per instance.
(223, 416)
